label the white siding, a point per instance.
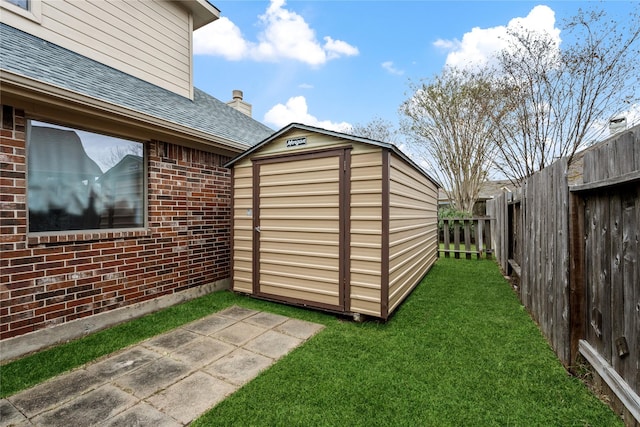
(150, 40)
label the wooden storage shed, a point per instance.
(331, 221)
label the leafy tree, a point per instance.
(452, 118)
(556, 94)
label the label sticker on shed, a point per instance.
(294, 142)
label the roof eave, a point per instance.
(202, 11)
(36, 91)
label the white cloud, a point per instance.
(305, 86)
(337, 48)
(388, 65)
(284, 35)
(224, 39)
(479, 45)
(296, 110)
(446, 44)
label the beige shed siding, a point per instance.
(412, 229)
(300, 207)
(147, 39)
(366, 230)
(242, 248)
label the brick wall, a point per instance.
(50, 280)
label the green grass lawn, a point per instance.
(461, 350)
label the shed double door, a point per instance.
(300, 205)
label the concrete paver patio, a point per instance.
(168, 380)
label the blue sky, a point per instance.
(337, 63)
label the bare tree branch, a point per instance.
(377, 129)
(556, 96)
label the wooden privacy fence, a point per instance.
(505, 209)
(575, 252)
(466, 236)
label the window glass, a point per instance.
(20, 3)
(80, 180)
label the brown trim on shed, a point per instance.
(301, 303)
(384, 261)
(231, 233)
(310, 154)
(345, 224)
(255, 224)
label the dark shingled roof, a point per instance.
(32, 57)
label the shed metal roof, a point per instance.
(335, 134)
(29, 56)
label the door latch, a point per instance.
(258, 229)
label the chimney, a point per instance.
(617, 124)
(239, 104)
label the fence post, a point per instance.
(445, 233)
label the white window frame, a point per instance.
(33, 11)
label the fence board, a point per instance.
(577, 302)
(626, 288)
(603, 281)
(446, 238)
(489, 238)
(456, 241)
(632, 280)
(617, 290)
(467, 238)
(562, 236)
(479, 231)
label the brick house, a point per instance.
(114, 198)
